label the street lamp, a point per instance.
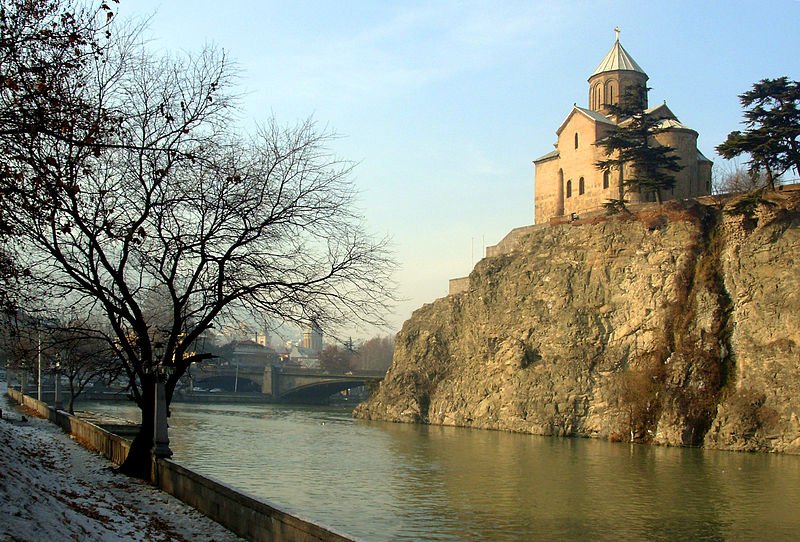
(57, 370)
(160, 431)
(39, 373)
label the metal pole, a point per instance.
(472, 251)
(236, 380)
(39, 386)
(57, 401)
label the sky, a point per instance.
(445, 104)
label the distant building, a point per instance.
(312, 339)
(304, 357)
(567, 180)
(263, 339)
(249, 353)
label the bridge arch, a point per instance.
(318, 392)
(229, 383)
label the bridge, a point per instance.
(298, 385)
(281, 383)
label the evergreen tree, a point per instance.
(631, 147)
(772, 138)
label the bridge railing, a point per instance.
(302, 371)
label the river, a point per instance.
(396, 482)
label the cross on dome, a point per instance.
(617, 59)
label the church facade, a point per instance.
(567, 181)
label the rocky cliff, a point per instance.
(675, 325)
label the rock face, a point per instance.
(676, 326)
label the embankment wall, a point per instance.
(247, 516)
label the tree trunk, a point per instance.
(770, 178)
(138, 462)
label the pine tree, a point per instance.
(631, 148)
(772, 138)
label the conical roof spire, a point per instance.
(617, 59)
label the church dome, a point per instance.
(616, 74)
(617, 59)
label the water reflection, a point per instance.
(404, 482)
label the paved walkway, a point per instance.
(53, 489)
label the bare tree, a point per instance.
(176, 205)
(375, 354)
(85, 356)
(80, 351)
(732, 178)
(46, 50)
(334, 358)
(20, 346)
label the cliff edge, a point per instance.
(676, 325)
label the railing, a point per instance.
(355, 375)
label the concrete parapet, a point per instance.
(511, 240)
(247, 516)
(459, 285)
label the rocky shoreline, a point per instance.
(675, 325)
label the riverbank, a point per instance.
(53, 488)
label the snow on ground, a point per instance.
(53, 489)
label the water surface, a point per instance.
(380, 481)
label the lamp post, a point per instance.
(160, 430)
(57, 370)
(39, 373)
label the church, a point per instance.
(568, 183)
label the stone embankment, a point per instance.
(53, 489)
(676, 325)
(249, 517)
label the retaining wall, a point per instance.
(509, 243)
(249, 517)
(458, 285)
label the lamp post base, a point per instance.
(161, 435)
(162, 450)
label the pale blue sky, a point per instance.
(444, 104)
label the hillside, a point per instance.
(677, 325)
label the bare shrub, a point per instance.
(637, 392)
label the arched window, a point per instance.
(605, 179)
(569, 188)
(581, 187)
(610, 93)
(576, 140)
